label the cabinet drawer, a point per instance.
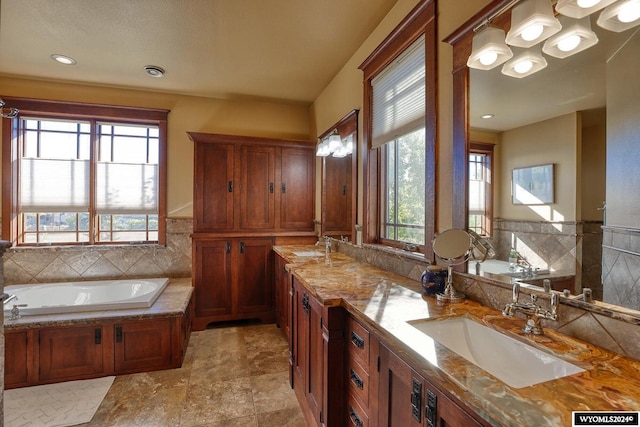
(356, 416)
(358, 380)
(358, 345)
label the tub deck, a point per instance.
(172, 302)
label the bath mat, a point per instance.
(62, 404)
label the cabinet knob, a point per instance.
(230, 186)
(271, 187)
(284, 187)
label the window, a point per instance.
(83, 178)
(399, 115)
(480, 190)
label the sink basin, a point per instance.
(511, 361)
(308, 253)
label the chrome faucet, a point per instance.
(15, 311)
(534, 312)
(6, 298)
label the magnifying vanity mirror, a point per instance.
(339, 181)
(579, 115)
(454, 247)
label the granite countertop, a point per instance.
(385, 301)
(172, 302)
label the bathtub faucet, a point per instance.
(6, 298)
(533, 311)
(15, 311)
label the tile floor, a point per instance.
(234, 375)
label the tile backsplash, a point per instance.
(58, 264)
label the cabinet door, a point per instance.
(71, 353)
(282, 298)
(337, 195)
(257, 195)
(297, 189)
(300, 339)
(400, 394)
(315, 362)
(214, 187)
(213, 280)
(142, 346)
(16, 359)
(255, 277)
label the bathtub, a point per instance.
(97, 295)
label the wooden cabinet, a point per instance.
(282, 293)
(248, 184)
(361, 374)
(55, 354)
(17, 366)
(233, 279)
(142, 346)
(297, 185)
(72, 352)
(317, 349)
(248, 193)
(213, 187)
(407, 399)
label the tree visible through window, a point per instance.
(404, 206)
(86, 180)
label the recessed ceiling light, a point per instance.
(486, 116)
(66, 60)
(154, 70)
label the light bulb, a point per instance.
(629, 12)
(532, 32)
(489, 57)
(569, 43)
(523, 66)
(587, 3)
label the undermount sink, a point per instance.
(308, 253)
(513, 362)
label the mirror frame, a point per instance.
(346, 126)
(461, 40)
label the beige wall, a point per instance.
(550, 141)
(188, 113)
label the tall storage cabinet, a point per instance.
(249, 194)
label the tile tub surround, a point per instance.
(72, 263)
(570, 248)
(621, 270)
(384, 301)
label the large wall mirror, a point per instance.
(579, 115)
(339, 179)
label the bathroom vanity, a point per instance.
(359, 358)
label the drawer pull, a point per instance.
(355, 419)
(357, 340)
(355, 378)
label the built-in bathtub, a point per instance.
(73, 297)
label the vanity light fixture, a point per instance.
(581, 8)
(10, 113)
(576, 36)
(532, 21)
(333, 145)
(63, 59)
(488, 49)
(323, 148)
(346, 147)
(524, 64)
(620, 16)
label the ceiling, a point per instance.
(576, 83)
(284, 50)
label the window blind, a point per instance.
(126, 188)
(399, 96)
(54, 185)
